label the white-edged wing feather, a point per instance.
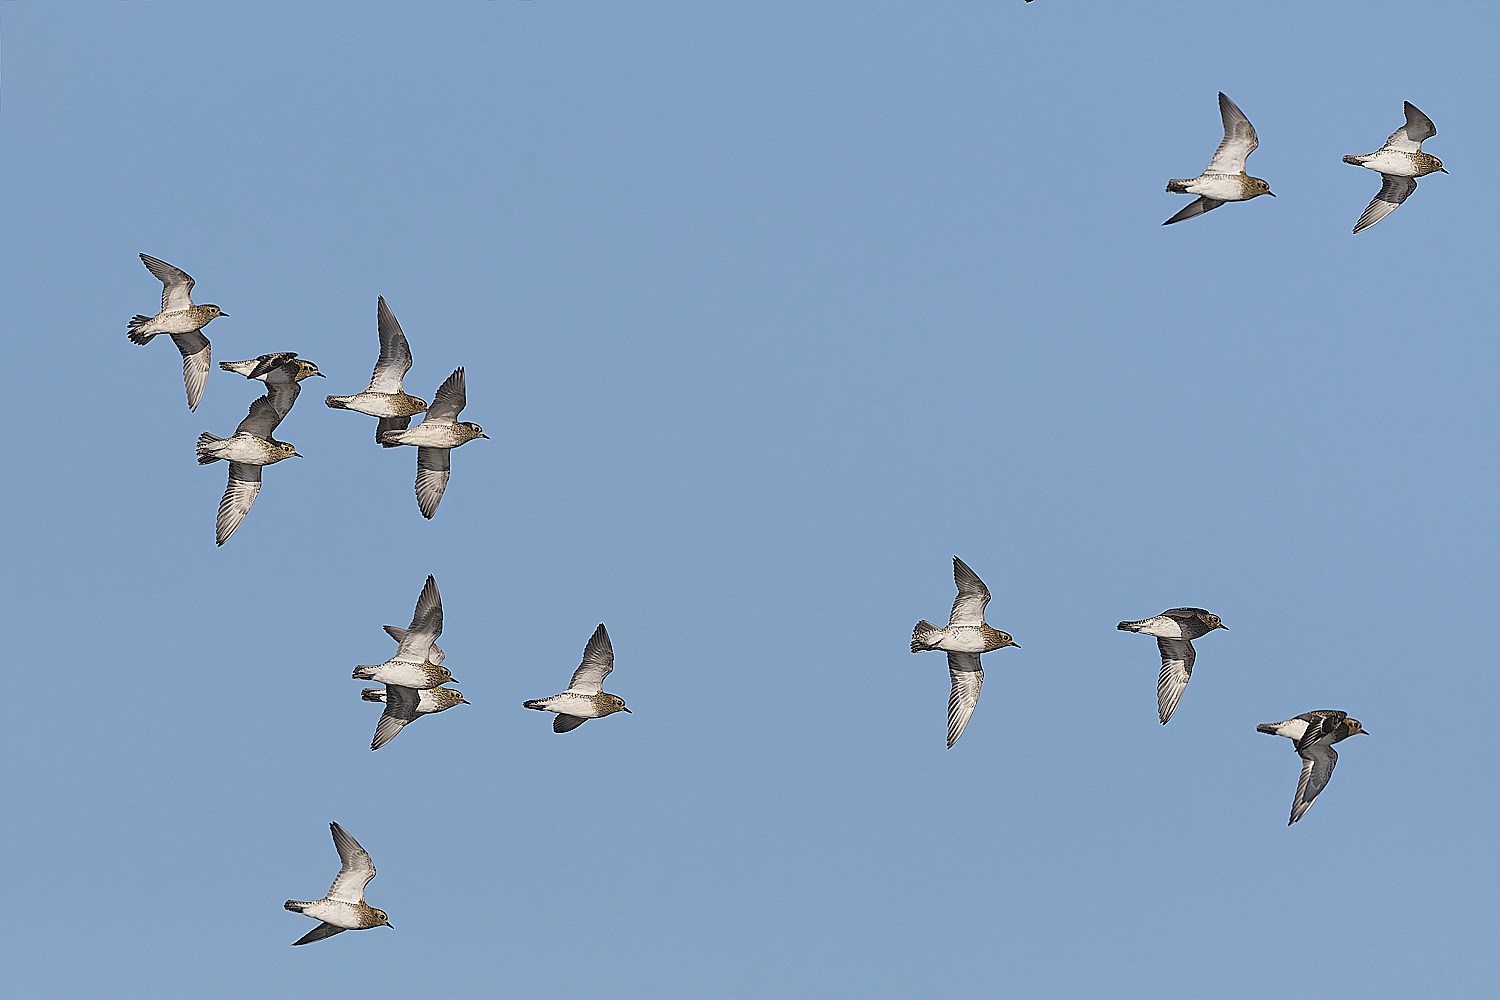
(395, 353)
(196, 353)
(357, 870)
(598, 661)
(968, 678)
(1177, 656)
(1409, 137)
(448, 401)
(1239, 140)
(239, 495)
(432, 478)
(175, 284)
(1317, 767)
(973, 595)
(1393, 191)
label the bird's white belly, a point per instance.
(374, 404)
(1396, 164)
(1162, 627)
(574, 704)
(426, 435)
(179, 321)
(334, 912)
(1220, 187)
(961, 639)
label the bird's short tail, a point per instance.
(239, 367)
(136, 336)
(373, 694)
(365, 673)
(295, 906)
(539, 705)
(1267, 727)
(337, 402)
(1356, 160)
(1178, 186)
(919, 635)
(204, 440)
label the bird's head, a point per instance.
(1212, 621)
(305, 369)
(448, 697)
(1353, 728)
(475, 431)
(287, 451)
(383, 920)
(614, 703)
(213, 311)
(1260, 187)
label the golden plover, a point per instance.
(344, 908)
(384, 398)
(1313, 734)
(412, 665)
(585, 698)
(439, 432)
(1399, 162)
(250, 447)
(1225, 178)
(183, 321)
(1174, 629)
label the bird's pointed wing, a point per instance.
(175, 284)
(1409, 137)
(968, 677)
(432, 478)
(567, 723)
(400, 708)
(598, 661)
(1239, 140)
(1393, 191)
(1195, 209)
(435, 654)
(261, 420)
(267, 363)
(1317, 767)
(196, 353)
(1177, 656)
(1319, 728)
(448, 401)
(282, 394)
(973, 595)
(395, 353)
(239, 495)
(357, 869)
(318, 933)
(426, 625)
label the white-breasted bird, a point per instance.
(182, 321)
(435, 437)
(1399, 162)
(344, 908)
(412, 664)
(1313, 734)
(384, 398)
(404, 705)
(585, 697)
(966, 636)
(1174, 629)
(247, 450)
(1224, 179)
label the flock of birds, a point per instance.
(1399, 162)
(414, 680)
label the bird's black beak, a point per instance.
(627, 710)
(1223, 626)
(1271, 193)
(320, 375)
(485, 436)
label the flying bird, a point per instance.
(439, 432)
(404, 705)
(250, 448)
(183, 321)
(1225, 178)
(966, 636)
(344, 908)
(281, 372)
(1313, 734)
(412, 665)
(585, 698)
(384, 397)
(1174, 629)
(1399, 162)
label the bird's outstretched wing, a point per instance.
(318, 933)
(1177, 656)
(357, 869)
(239, 496)
(1317, 767)
(973, 596)
(1409, 137)
(1239, 140)
(175, 284)
(433, 470)
(598, 661)
(400, 708)
(448, 401)
(1195, 209)
(567, 723)
(968, 677)
(261, 420)
(395, 353)
(1393, 191)
(426, 625)
(196, 353)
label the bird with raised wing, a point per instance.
(585, 697)
(344, 908)
(281, 372)
(247, 450)
(1225, 178)
(412, 665)
(966, 636)
(1175, 629)
(1313, 735)
(405, 704)
(435, 437)
(1399, 162)
(384, 397)
(182, 321)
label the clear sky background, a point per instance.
(769, 310)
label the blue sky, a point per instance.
(769, 310)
